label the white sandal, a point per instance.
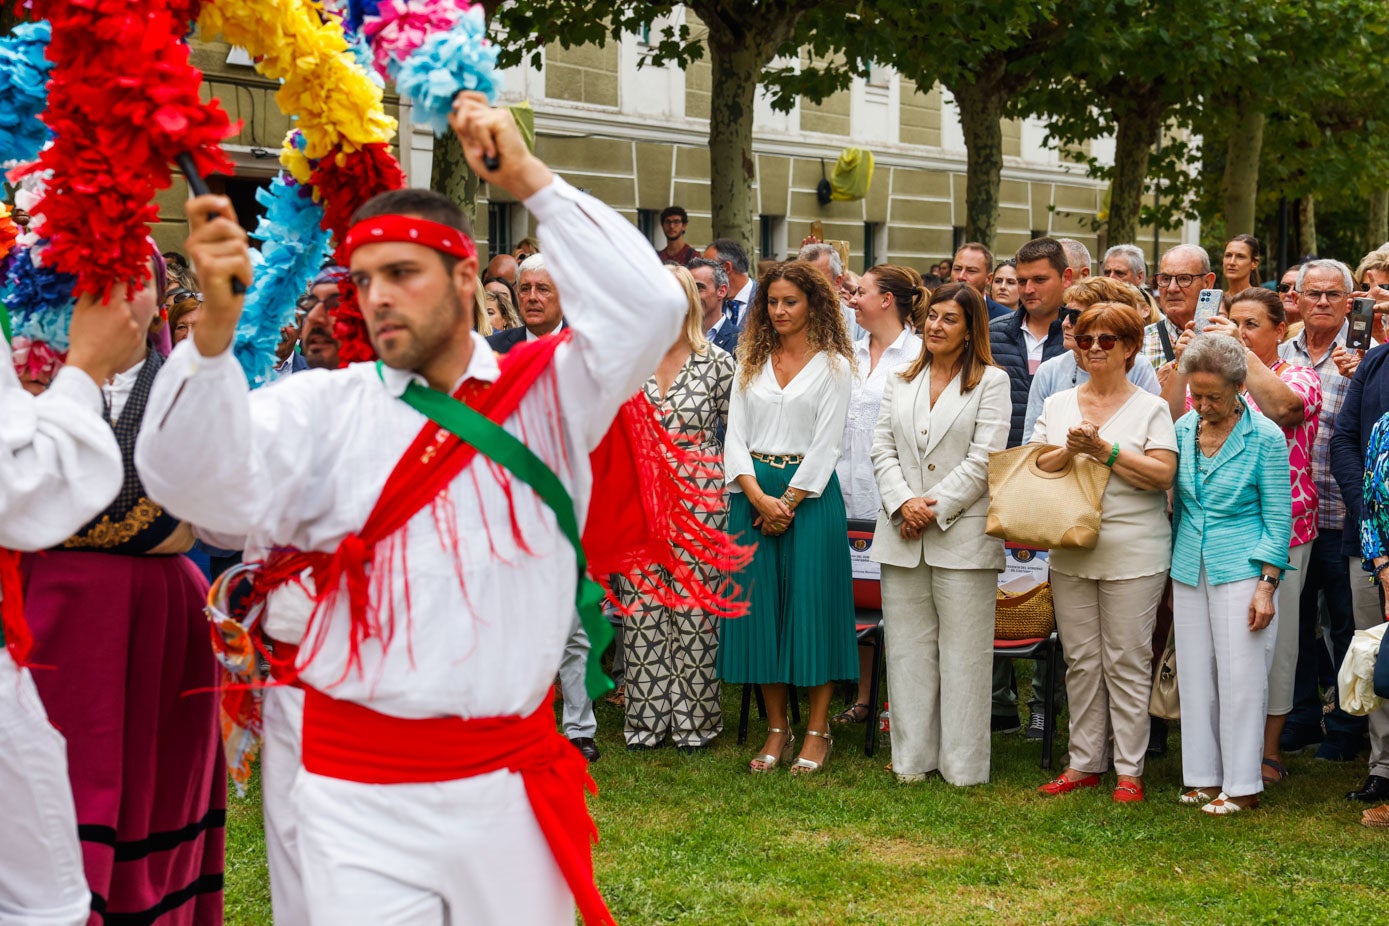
(770, 761)
(804, 766)
(1197, 796)
(1224, 805)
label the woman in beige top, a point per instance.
(1107, 598)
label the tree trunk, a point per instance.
(1239, 187)
(1138, 132)
(981, 118)
(451, 174)
(737, 63)
(1306, 226)
(1379, 218)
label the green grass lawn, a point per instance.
(701, 840)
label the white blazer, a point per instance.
(940, 453)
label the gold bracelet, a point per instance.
(790, 500)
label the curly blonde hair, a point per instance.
(825, 332)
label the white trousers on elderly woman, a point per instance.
(939, 631)
(1222, 677)
(1106, 630)
(280, 760)
(41, 878)
(449, 853)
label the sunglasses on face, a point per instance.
(1070, 315)
(1087, 341)
(306, 303)
(1284, 288)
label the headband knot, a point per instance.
(412, 230)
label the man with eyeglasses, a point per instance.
(1183, 272)
(312, 330)
(1324, 288)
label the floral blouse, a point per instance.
(1374, 518)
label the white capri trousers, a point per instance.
(1281, 673)
(280, 761)
(450, 853)
(939, 630)
(41, 877)
(1365, 605)
(1106, 630)
(1222, 677)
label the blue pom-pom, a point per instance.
(23, 92)
(294, 247)
(39, 300)
(447, 63)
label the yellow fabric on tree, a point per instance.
(852, 175)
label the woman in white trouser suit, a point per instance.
(940, 419)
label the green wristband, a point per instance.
(1113, 455)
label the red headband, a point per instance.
(410, 229)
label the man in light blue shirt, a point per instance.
(1063, 372)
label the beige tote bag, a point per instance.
(1051, 511)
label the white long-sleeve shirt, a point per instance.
(806, 418)
(59, 463)
(303, 464)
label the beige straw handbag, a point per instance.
(1024, 616)
(1050, 511)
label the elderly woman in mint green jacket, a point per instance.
(1231, 525)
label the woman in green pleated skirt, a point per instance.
(799, 587)
(785, 423)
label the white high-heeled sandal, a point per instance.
(770, 761)
(803, 766)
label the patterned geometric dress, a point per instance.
(670, 654)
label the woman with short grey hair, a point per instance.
(1231, 527)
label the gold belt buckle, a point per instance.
(777, 460)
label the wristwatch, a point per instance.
(1271, 580)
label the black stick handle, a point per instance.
(198, 185)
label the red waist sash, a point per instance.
(15, 631)
(352, 742)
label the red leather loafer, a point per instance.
(1063, 785)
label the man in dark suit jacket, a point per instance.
(974, 264)
(722, 324)
(540, 309)
(1366, 401)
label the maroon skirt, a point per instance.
(124, 666)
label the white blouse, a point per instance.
(806, 418)
(855, 467)
(59, 463)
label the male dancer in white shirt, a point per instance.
(59, 467)
(441, 640)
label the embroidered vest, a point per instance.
(132, 524)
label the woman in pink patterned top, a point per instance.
(1291, 396)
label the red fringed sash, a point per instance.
(355, 743)
(18, 638)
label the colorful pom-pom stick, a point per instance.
(198, 186)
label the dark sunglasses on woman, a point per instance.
(1087, 341)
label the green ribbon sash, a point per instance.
(497, 444)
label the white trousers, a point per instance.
(41, 877)
(280, 761)
(1222, 677)
(1281, 673)
(578, 718)
(1106, 629)
(939, 630)
(1368, 613)
(445, 854)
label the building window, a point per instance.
(957, 238)
(649, 224)
(879, 75)
(874, 244)
(1038, 233)
(499, 237)
(771, 238)
(645, 34)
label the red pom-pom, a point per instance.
(345, 182)
(123, 102)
